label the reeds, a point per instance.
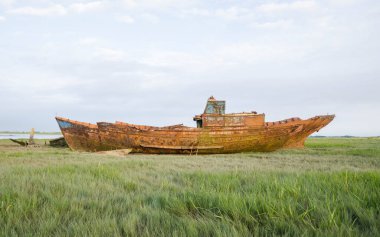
(331, 188)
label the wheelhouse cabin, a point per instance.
(214, 116)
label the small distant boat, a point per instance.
(216, 132)
(58, 142)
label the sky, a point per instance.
(156, 62)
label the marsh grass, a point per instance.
(330, 188)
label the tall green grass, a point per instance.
(325, 189)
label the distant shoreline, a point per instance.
(37, 132)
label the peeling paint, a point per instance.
(64, 124)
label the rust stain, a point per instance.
(216, 132)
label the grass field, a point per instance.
(330, 188)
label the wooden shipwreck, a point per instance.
(216, 132)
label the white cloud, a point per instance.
(230, 13)
(126, 19)
(280, 24)
(155, 80)
(108, 54)
(130, 3)
(158, 3)
(6, 3)
(307, 5)
(228, 55)
(53, 10)
(173, 59)
(88, 6)
(197, 12)
(343, 3)
(2, 18)
(150, 18)
(41, 83)
(253, 53)
(88, 41)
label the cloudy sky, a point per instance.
(157, 61)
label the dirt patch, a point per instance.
(120, 152)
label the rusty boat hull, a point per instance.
(80, 136)
(216, 132)
(306, 128)
(187, 140)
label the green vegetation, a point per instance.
(330, 188)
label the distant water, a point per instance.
(26, 136)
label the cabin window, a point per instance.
(215, 107)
